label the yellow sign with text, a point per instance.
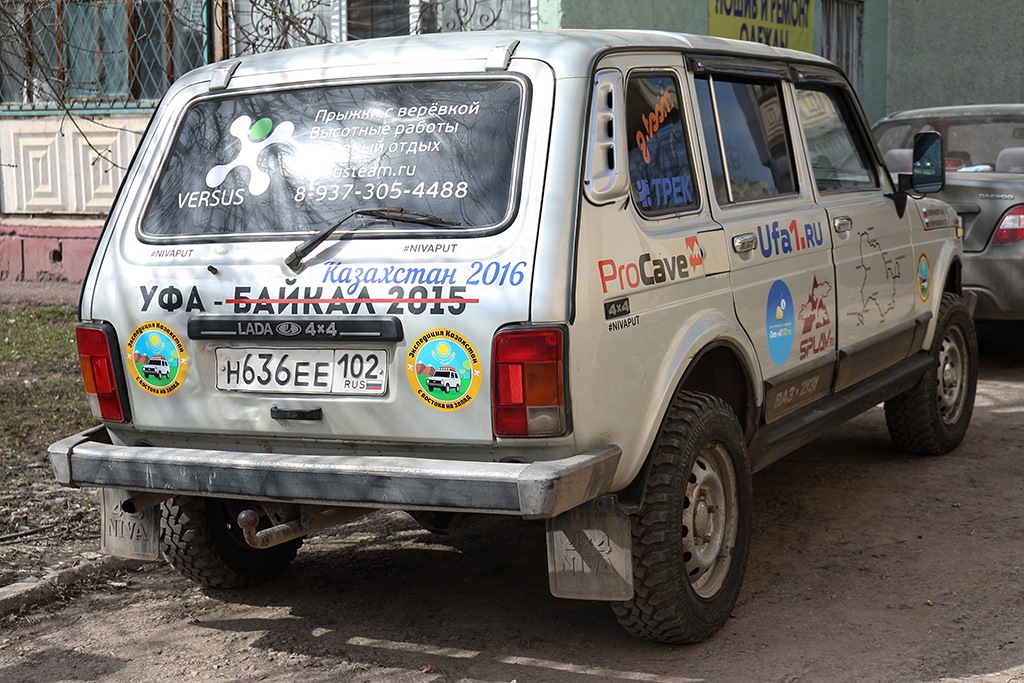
(779, 23)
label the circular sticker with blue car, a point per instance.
(444, 370)
(156, 358)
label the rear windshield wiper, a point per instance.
(388, 213)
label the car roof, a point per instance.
(957, 112)
(570, 51)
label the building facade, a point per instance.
(80, 79)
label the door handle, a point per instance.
(842, 224)
(744, 243)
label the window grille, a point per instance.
(843, 22)
(262, 25)
(58, 55)
(80, 54)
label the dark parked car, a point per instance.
(985, 184)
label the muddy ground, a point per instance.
(866, 565)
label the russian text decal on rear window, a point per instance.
(299, 160)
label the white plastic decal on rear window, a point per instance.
(300, 160)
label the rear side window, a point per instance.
(660, 173)
(748, 141)
(299, 160)
(839, 160)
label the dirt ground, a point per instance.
(866, 565)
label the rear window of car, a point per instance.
(299, 160)
(971, 144)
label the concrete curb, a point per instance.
(34, 590)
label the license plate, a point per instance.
(346, 372)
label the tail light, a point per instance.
(529, 382)
(104, 380)
(1011, 227)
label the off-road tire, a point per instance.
(699, 485)
(201, 538)
(932, 417)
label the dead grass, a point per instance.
(41, 401)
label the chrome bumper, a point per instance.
(537, 490)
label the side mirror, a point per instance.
(929, 170)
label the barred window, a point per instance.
(262, 25)
(109, 53)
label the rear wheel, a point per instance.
(932, 417)
(692, 533)
(201, 538)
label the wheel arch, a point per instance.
(947, 278)
(953, 280)
(719, 370)
(721, 363)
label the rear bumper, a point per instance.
(537, 490)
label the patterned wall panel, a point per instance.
(51, 167)
(97, 160)
(38, 182)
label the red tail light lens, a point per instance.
(1011, 227)
(529, 383)
(99, 372)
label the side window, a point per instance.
(837, 161)
(660, 175)
(706, 106)
(754, 160)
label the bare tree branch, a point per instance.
(77, 58)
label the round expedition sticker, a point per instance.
(924, 277)
(443, 369)
(156, 358)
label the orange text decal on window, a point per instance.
(652, 121)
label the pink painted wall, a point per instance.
(34, 250)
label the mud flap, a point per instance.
(134, 536)
(590, 554)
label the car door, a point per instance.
(781, 262)
(874, 261)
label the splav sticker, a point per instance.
(443, 369)
(156, 358)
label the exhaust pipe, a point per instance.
(310, 521)
(143, 501)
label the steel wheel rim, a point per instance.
(951, 388)
(710, 520)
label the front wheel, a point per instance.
(201, 538)
(691, 535)
(932, 417)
